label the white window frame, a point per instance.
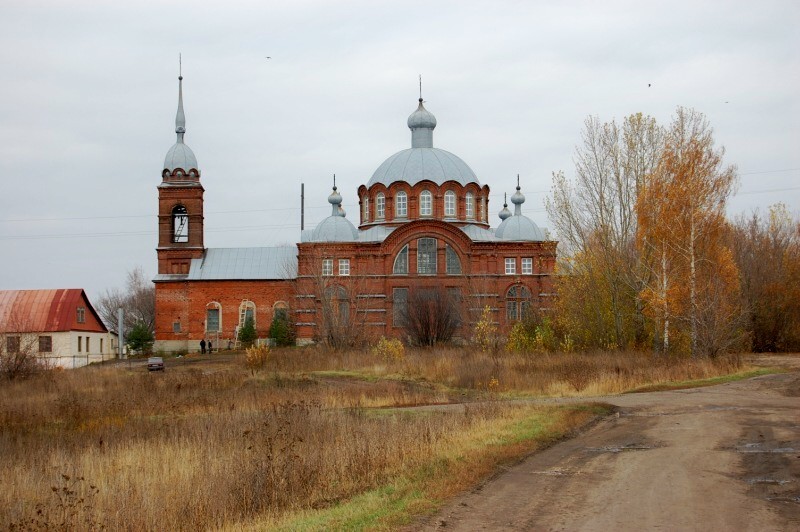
(450, 204)
(511, 266)
(327, 267)
(527, 266)
(401, 205)
(344, 267)
(380, 206)
(365, 210)
(469, 205)
(426, 203)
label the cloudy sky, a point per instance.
(88, 93)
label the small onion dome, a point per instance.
(335, 228)
(505, 213)
(421, 118)
(518, 198)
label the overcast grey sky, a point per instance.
(88, 94)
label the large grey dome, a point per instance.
(416, 164)
(180, 156)
(422, 161)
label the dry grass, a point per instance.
(208, 445)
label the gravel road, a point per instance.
(725, 457)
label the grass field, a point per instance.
(312, 440)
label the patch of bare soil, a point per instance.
(725, 457)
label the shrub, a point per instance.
(281, 330)
(485, 334)
(247, 334)
(256, 357)
(140, 339)
(389, 349)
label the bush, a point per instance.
(247, 334)
(389, 349)
(140, 339)
(256, 358)
(485, 334)
(281, 330)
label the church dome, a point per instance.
(518, 227)
(335, 228)
(180, 156)
(422, 161)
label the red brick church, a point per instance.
(423, 238)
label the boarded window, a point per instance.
(12, 344)
(399, 306)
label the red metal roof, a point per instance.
(47, 311)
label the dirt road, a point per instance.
(719, 458)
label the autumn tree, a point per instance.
(681, 213)
(430, 316)
(767, 253)
(137, 300)
(594, 215)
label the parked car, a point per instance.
(155, 364)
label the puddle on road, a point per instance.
(769, 481)
(613, 449)
(556, 472)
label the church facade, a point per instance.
(423, 243)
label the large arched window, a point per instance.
(450, 203)
(518, 302)
(401, 262)
(180, 224)
(469, 205)
(280, 310)
(247, 311)
(380, 206)
(401, 205)
(426, 203)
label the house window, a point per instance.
(81, 315)
(344, 266)
(212, 320)
(518, 302)
(380, 206)
(401, 205)
(426, 256)
(176, 326)
(401, 262)
(425, 203)
(511, 266)
(399, 306)
(45, 344)
(101, 346)
(527, 266)
(80, 344)
(453, 262)
(327, 267)
(180, 224)
(88, 349)
(365, 206)
(450, 203)
(12, 344)
(470, 206)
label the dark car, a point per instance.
(155, 364)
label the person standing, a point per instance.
(203, 346)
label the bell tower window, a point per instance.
(180, 224)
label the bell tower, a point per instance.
(180, 203)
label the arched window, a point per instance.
(247, 311)
(280, 310)
(426, 203)
(518, 302)
(453, 262)
(213, 317)
(449, 203)
(470, 206)
(401, 205)
(426, 256)
(365, 205)
(380, 206)
(180, 224)
(401, 262)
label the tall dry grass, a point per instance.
(207, 445)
